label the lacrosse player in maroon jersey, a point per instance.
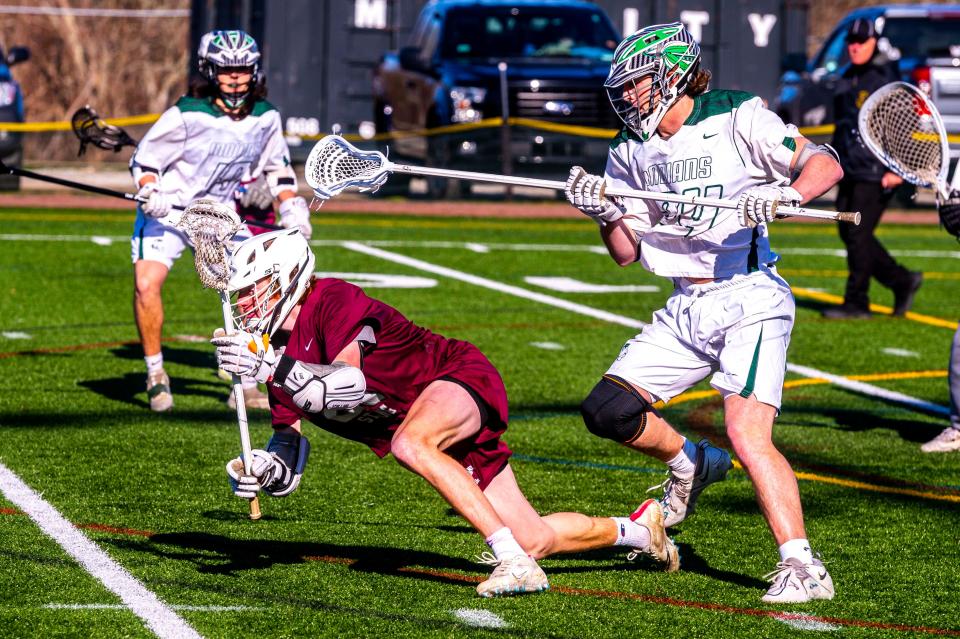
(356, 367)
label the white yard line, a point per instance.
(64, 606)
(859, 387)
(157, 616)
(476, 280)
(479, 618)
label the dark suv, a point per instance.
(11, 110)
(552, 55)
(924, 39)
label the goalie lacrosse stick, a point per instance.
(210, 225)
(334, 165)
(90, 129)
(12, 170)
(903, 128)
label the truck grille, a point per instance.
(576, 106)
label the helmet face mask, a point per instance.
(270, 273)
(650, 71)
(226, 52)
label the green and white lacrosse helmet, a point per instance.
(269, 273)
(221, 51)
(650, 71)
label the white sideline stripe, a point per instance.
(34, 237)
(859, 387)
(955, 255)
(869, 389)
(493, 285)
(158, 617)
(16, 335)
(900, 352)
(63, 606)
(479, 618)
(548, 346)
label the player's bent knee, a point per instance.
(615, 410)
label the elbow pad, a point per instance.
(810, 149)
(319, 387)
(281, 180)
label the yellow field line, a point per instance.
(876, 308)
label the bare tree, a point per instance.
(120, 65)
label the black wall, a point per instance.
(318, 59)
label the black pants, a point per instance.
(866, 257)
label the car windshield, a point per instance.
(922, 37)
(521, 32)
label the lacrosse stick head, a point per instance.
(334, 165)
(269, 273)
(209, 225)
(902, 127)
(90, 129)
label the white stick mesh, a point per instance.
(210, 225)
(334, 164)
(903, 129)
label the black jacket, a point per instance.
(855, 84)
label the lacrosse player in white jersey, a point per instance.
(212, 143)
(730, 313)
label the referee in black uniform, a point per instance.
(866, 185)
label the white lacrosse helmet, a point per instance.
(221, 50)
(668, 56)
(269, 274)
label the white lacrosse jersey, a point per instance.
(728, 144)
(200, 151)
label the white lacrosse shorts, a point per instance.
(155, 240)
(737, 328)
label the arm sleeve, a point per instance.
(637, 214)
(349, 315)
(766, 144)
(161, 146)
(275, 158)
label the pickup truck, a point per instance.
(924, 39)
(554, 54)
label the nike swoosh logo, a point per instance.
(309, 344)
(823, 576)
(705, 136)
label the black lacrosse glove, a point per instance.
(950, 214)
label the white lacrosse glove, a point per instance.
(276, 471)
(255, 194)
(245, 354)
(585, 191)
(154, 202)
(759, 204)
(295, 214)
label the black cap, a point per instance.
(861, 30)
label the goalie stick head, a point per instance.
(903, 128)
(334, 165)
(269, 273)
(650, 71)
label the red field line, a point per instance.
(587, 592)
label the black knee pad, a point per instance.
(615, 410)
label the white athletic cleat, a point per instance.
(253, 399)
(661, 550)
(946, 441)
(158, 391)
(796, 582)
(513, 576)
(680, 494)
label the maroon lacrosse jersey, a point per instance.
(399, 360)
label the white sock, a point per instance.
(685, 463)
(504, 545)
(798, 549)
(630, 533)
(154, 363)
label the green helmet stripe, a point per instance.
(648, 40)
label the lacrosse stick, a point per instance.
(902, 127)
(334, 165)
(210, 225)
(12, 170)
(90, 129)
